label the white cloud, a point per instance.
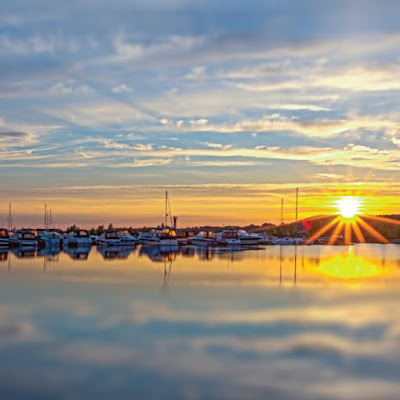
(122, 88)
(71, 89)
(126, 50)
(151, 162)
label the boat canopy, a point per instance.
(80, 233)
(28, 235)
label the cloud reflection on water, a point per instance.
(79, 337)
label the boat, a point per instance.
(159, 236)
(288, 241)
(228, 238)
(148, 238)
(116, 237)
(4, 238)
(185, 236)
(204, 238)
(167, 236)
(77, 238)
(248, 238)
(51, 239)
(24, 238)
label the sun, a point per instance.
(349, 206)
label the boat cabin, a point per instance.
(4, 233)
(27, 234)
(229, 235)
(80, 233)
(115, 233)
(164, 233)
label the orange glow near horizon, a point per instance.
(197, 205)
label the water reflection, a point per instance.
(78, 253)
(116, 252)
(3, 254)
(158, 253)
(48, 251)
(275, 265)
(276, 323)
(24, 252)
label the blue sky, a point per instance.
(114, 103)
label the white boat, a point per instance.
(77, 238)
(4, 238)
(148, 238)
(204, 239)
(288, 241)
(185, 236)
(228, 238)
(24, 238)
(248, 238)
(159, 236)
(167, 236)
(116, 237)
(51, 239)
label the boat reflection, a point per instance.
(48, 251)
(78, 253)
(158, 253)
(3, 254)
(24, 252)
(115, 252)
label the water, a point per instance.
(312, 322)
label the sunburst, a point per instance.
(351, 222)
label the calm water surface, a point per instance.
(312, 322)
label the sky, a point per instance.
(106, 105)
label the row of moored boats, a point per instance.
(122, 237)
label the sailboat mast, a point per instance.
(281, 216)
(9, 217)
(297, 204)
(166, 207)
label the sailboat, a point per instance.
(164, 235)
(289, 240)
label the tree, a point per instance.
(71, 228)
(100, 230)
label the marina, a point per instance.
(200, 200)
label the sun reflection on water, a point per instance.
(348, 266)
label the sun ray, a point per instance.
(357, 231)
(347, 233)
(323, 230)
(371, 230)
(336, 232)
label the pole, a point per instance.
(297, 203)
(9, 217)
(281, 216)
(166, 206)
